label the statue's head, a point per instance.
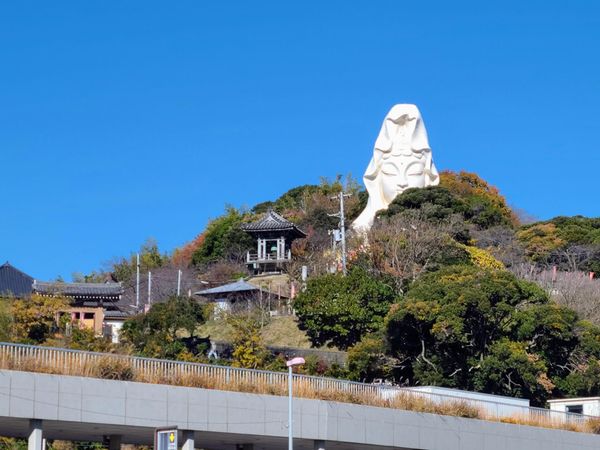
(401, 160)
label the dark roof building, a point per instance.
(272, 222)
(13, 282)
(237, 291)
(236, 287)
(84, 294)
(274, 236)
(82, 290)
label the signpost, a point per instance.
(165, 439)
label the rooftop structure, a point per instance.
(274, 236)
(241, 293)
(491, 403)
(13, 282)
(93, 305)
(589, 406)
(237, 287)
(80, 292)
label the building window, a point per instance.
(575, 409)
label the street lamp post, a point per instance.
(290, 364)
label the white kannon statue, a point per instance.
(401, 160)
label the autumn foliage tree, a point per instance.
(34, 318)
(249, 350)
(570, 243)
(485, 206)
(182, 257)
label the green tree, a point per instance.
(578, 229)
(150, 258)
(511, 368)
(12, 443)
(290, 200)
(437, 203)
(570, 243)
(165, 330)
(456, 325)
(337, 310)
(223, 239)
(583, 377)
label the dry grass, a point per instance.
(284, 332)
(545, 422)
(278, 332)
(114, 368)
(34, 365)
(458, 408)
(592, 426)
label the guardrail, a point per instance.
(83, 363)
(329, 356)
(78, 362)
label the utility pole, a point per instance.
(149, 288)
(341, 197)
(178, 282)
(343, 230)
(137, 283)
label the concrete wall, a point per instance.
(87, 400)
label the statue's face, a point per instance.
(400, 174)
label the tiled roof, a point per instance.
(238, 286)
(272, 221)
(14, 282)
(78, 289)
(116, 314)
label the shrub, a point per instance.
(592, 425)
(114, 368)
(482, 258)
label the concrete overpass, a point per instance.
(80, 408)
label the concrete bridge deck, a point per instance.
(80, 408)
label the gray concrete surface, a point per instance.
(88, 408)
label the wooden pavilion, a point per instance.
(274, 236)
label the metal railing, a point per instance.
(268, 257)
(83, 363)
(78, 362)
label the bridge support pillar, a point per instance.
(188, 442)
(35, 435)
(114, 442)
(319, 445)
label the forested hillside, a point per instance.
(451, 289)
(448, 288)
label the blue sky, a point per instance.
(121, 121)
